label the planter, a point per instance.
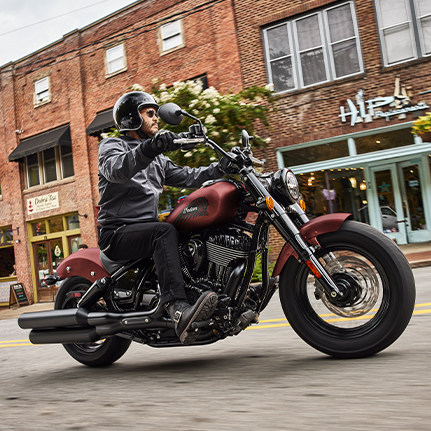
(426, 137)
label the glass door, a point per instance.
(386, 207)
(48, 255)
(413, 202)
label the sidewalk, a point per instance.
(417, 254)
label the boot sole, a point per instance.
(204, 311)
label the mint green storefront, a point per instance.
(381, 176)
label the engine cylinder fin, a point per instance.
(223, 255)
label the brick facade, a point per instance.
(80, 88)
(312, 113)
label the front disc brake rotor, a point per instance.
(357, 278)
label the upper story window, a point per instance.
(405, 29)
(42, 91)
(312, 49)
(171, 35)
(49, 165)
(115, 59)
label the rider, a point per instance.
(132, 172)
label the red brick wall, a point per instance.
(80, 88)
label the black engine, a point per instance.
(216, 258)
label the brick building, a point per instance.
(56, 101)
(349, 77)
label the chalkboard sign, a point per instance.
(19, 293)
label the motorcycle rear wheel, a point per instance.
(382, 301)
(98, 354)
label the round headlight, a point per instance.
(284, 187)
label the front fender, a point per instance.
(309, 232)
(84, 263)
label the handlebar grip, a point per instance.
(188, 141)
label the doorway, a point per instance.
(47, 256)
(397, 201)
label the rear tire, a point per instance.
(383, 300)
(98, 354)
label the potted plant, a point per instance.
(422, 127)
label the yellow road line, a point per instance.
(14, 343)
(17, 344)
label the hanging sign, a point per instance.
(43, 203)
(57, 251)
(399, 104)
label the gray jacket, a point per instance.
(130, 183)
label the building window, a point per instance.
(115, 59)
(315, 48)
(405, 29)
(7, 257)
(171, 35)
(41, 91)
(49, 165)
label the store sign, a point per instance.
(43, 203)
(399, 104)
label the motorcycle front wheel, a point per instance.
(97, 354)
(379, 293)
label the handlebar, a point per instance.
(189, 141)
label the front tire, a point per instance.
(98, 354)
(382, 295)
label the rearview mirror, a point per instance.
(171, 113)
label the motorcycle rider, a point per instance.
(132, 172)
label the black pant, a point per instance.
(152, 239)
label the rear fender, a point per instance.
(84, 263)
(309, 232)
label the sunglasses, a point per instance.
(151, 113)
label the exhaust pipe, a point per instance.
(77, 325)
(54, 318)
(64, 336)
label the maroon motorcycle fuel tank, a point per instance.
(212, 205)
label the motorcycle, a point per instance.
(345, 288)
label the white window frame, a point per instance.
(112, 55)
(414, 24)
(326, 45)
(41, 166)
(170, 31)
(42, 91)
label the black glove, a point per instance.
(162, 142)
(228, 165)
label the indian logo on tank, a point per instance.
(195, 209)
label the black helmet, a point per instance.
(127, 107)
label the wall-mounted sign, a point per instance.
(399, 104)
(42, 203)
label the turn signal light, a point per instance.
(269, 203)
(302, 204)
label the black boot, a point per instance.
(184, 314)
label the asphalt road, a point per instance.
(264, 379)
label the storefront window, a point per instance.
(7, 262)
(317, 153)
(39, 228)
(384, 141)
(7, 256)
(55, 224)
(72, 222)
(74, 243)
(335, 190)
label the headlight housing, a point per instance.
(284, 187)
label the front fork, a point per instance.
(291, 234)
